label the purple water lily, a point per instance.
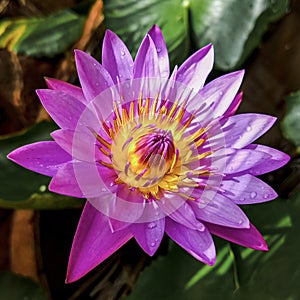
(153, 153)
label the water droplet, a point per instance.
(103, 190)
(266, 196)
(152, 244)
(42, 188)
(151, 225)
(240, 222)
(158, 50)
(253, 195)
(249, 128)
(221, 93)
(95, 65)
(123, 53)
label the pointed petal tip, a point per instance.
(109, 35)
(154, 28)
(263, 247)
(79, 54)
(70, 279)
(46, 78)
(40, 92)
(12, 156)
(209, 48)
(212, 261)
(50, 82)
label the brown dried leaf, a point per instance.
(92, 33)
(22, 249)
(19, 77)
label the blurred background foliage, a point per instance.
(37, 39)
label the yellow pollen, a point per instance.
(149, 149)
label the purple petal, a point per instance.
(74, 91)
(116, 225)
(244, 159)
(180, 212)
(72, 180)
(194, 71)
(162, 51)
(128, 205)
(220, 210)
(146, 61)
(170, 88)
(241, 130)
(93, 243)
(234, 105)
(276, 159)
(116, 58)
(247, 189)
(249, 238)
(64, 109)
(219, 93)
(149, 235)
(198, 243)
(93, 77)
(42, 157)
(85, 149)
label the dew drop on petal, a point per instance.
(158, 50)
(253, 195)
(151, 225)
(266, 196)
(221, 93)
(248, 128)
(152, 244)
(122, 53)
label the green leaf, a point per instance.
(15, 287)
(290, 123)
(239, 273)
(45, 36)
(234, 27)
(21, 188)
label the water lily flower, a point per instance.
(153, 153)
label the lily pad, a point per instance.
(15, 287)
(234, 27)
(21, 188)
(239, 273)
(291, 124)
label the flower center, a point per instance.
(149, 149)
(152, 152)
